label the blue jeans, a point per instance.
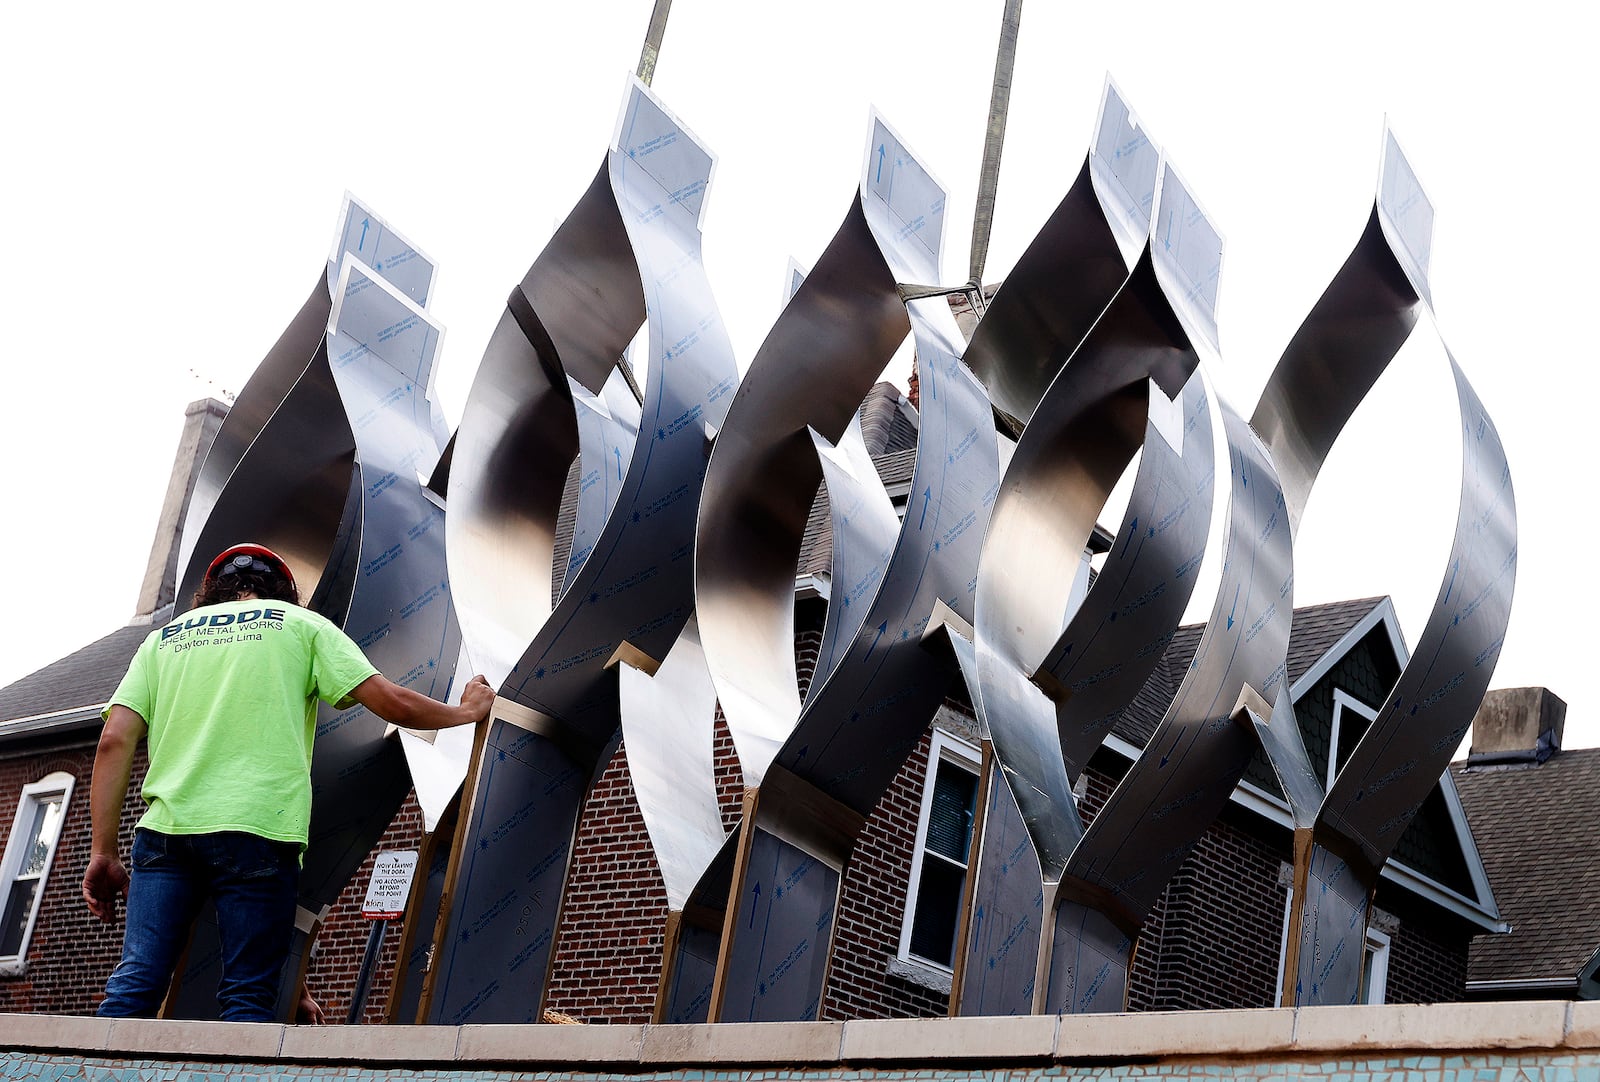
(252, 881)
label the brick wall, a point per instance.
(1427, 961)
(607, 957)
(342, 940)
(872, 906)
(1222, 926)
(71, 953)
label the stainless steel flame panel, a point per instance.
(636, 585)
(873, 706)
(383, 351)
(634, 233)
(667, 724)
(493, 944)
(1089, 967)
(1115, 639)
(1002, 953)
(1089, 425)
(1198, 753)
(273, 378)
(781, 936)
(1358, 325)
(864, 531)
(866, 712)
(630, 250)
(1072, 267)
(1400, 759)
(817, 363)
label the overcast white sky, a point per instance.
(172, 176)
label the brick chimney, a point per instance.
(1518, 725)
(200, 423)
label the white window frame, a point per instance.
(1283, 945)
(34, 794)
(1375, 965)
(945, 748)
(1377, 950)
(1342, 701)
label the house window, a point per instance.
(1351, 718)
(26, 864)
(939, 862)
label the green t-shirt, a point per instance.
(229, 693)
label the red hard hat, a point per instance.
(246, 556)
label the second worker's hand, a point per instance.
(477, 698)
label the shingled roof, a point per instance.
(1535, 826)
(1317, 629)
(83, 679)
(889, 430)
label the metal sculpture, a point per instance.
(1060, 287)
(667, 721)
(1343, 839)
(1133, 381)
(1199, 750)
(629, 251)
(813, 770)
(325, 456)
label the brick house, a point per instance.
(1216, 939)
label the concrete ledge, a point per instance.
(53, 1031)
(371, 1044)
(1583, 1025)
(596, 1045)
(791, 1043)
(1462, 1026)
(1173, 1033)
(911, 1040)
(217, 1040)
(1310, 1033)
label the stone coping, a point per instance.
(1286, 1033)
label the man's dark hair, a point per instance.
(267, 585)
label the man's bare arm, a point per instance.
(412, 710)
(106, 879)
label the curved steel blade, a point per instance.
(667, 723)
(864, 530)
(1198, 751)
(330, 470)
(628, 252)
(1356, 328)
(1072, 268)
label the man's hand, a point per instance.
(103, 882)
(105, 877)
(308, 1012)
(477, 698)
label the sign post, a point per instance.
(385, 902)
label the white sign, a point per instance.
(391, 882)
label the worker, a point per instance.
(227, 696)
